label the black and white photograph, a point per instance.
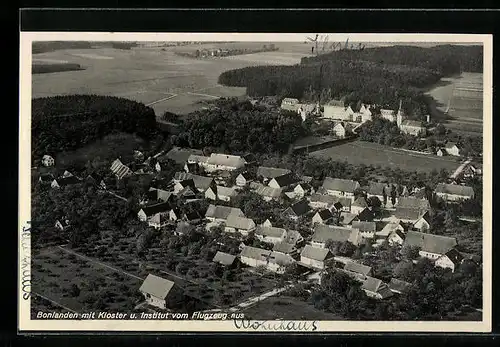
(255, 182)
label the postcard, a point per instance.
(237, 182)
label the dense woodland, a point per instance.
(241, 127)
(64, 123)
(381, 76)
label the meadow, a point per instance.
(368, 153)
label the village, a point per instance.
(336, 214)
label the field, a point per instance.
(368, 153)
(153, 75)
(466, 104)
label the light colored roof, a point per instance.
(406, 213)
(375, 285)
(334, 102)
(283, 247)
(119, 169)
(266, 191)
(194, 158)
(200, 182)
(322, 233)
(159, 218)
(347, 217)
(290, 101)
(270, 231)
(224, 258)
(388, 228)
(429, 242)
(357, 268)
(450, 145)
(225, 191)
(387, 112)
(414, 203)
(280, 258)
(222, 212)
(411, 123)
(314, 253)
(292, 236)
(365, 226)
(255, 253)
(271, 172)
(330, 199)
(156, 286)
(455, 189)
(238, 222)
(340, 184)
(181, 155)
(226, 160)
(360, 202)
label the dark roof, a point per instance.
(156, 208)
(365, 215)
(222, 212)
(224, 258)
(95, 176)
(271, 172)
(193, 215)
(187, 183)
(325, 214)
(455, 189)
(299, 208)
(284, 247)
(315, 253)
(46, 177)
(357, 268)
(181, 155)
(409, 202)
(454, 256)
(156, 286)
(399, 286)
(340, 184)
(286, 179)
(365, 226)
(429, 242)
(408, 213)
(360, 202)
(66, 181)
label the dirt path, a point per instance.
(460, 169)
(256, 299)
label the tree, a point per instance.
(410, 252)
(404, 270)
(74, 290)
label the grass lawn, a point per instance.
(368, 153)
(287, 307)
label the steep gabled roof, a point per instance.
(222, 212)
(375, 285)
(280, 258)
(455, 189)
(284, 247)
(156, 208)
(255, 253)
(225, 191)
(181, 155)
(266, 191)
(286, 180)
(429, 242)
(409, 202)
(399, 286)
(292, 236)
(156, 286)
(322, 233)
(315, 253)
(360, 202)
(238, 222)
(365, 226)
(325, 214)
(271, 172)
(454, 256)
(299, 208)
(270, 231)
(224, 258)
(408, 213)
(340, 184)
(365, 215)
(357, 268)
(450, 145)
(388, 228)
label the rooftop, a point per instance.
(455, 189)
(339, 184)
(156, 286)
(429, 242)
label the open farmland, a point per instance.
(153, 75)
(464, 94)
(368, 153)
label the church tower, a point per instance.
(399, 115)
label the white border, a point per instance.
(25, 324)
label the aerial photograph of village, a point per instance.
(308, 180)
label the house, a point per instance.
(390, 115)
(285, 248)
(365, 215)
(277, 262)
(221, 193)
(340, 187)
(97, 179)
(224, 162)
(174, 214)
(431, 246)
(243, 179)
(200, 160)
(409, 215)
(306, 110)
(293, 237)
(183, 228)
(412, 127)
(267, 223)
(396, 237)
(201, 183)
(366, 113)
(66, 173)
(181, 185)
(357, 270)
(330, 202)
(297, 210)
(301, 190)
(120, 170)
(452, 149)
(339, 130)
(398, 286)
(162, 163)
(193, 168)
(315, 257)
(441, 152)
(148, 211)
(290, 104)
(335, 109)
(239, 224)
(268, 173)
(225, 259)
(323, 216)
(450, 260)
(454, 192)
(47, 160)
(64, 181)
(62, 224)
(219, 214)
(422, 224)
(323, 233)
(377, 189)
(46, 178)
(347, 218)
(158, 220)
(359, 205)
(254, 257)
(375, 288)
(181, 155)
(267, 193)
(270, 234)
(160, 292)
(192, 217)
(414, 203)
(283, 181)
(366, 229)
(187, 193)
(388, 229)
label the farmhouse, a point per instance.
(375, 288)
(285, 248)
(243, 179)
(450, 260)
(224, 259)
(181, 186)
(297, 210)
(283, 181)
(357, 270)
(340, 187)
(398, 286)
(414, 203)
(335, 109)
(64, 181)
(224, 162)
(277, 262)
(431, 246)
(323, 216)
(396, 237)
(290, 104)
(323, 233)
(315, 257)
(301, 190)
(409, 215)
(148, 211)
(267, 193)
(120, 170)
(239, 224)
(293, 237)
(47, 160)
(219, 214)
(366, 229)
(160, 194)
(181, 155)
(160, 292)
(159, 220)
(270, 234)
(454, 192)
(359, 205)
(268, 173)
(254, 257)
(412, 127)
(221, 193)
(339, 130)
(452, 149)
(423, 224)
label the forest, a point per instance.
(381, 76)
(235, 126)
(65, 123)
